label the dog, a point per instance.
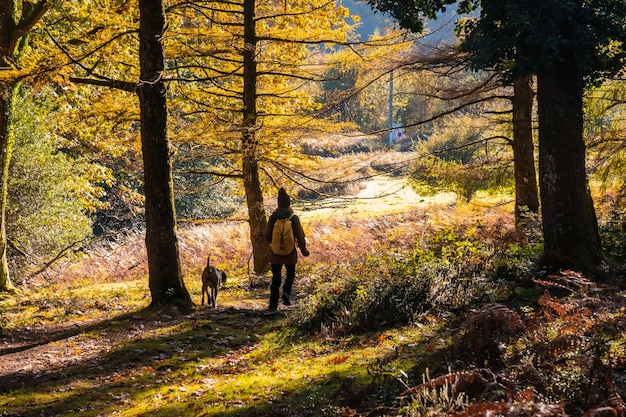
(213, 278)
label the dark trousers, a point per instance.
(276, 281)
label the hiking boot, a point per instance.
(286, 300)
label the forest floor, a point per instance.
(36, 353)
(68, 335)
(87, 346)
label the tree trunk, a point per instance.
(6, 149)
(526, 193)
(6, 54)
(165, 277)
(10, 34)
(257, 217)
(570, 227)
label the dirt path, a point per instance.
(377, 196)
(32, 355)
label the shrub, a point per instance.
(613, 236)
(389, 292)
(432, 175)
(455, 270)
(50, 193)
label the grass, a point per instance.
(215, 364)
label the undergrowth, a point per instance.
(419, 313)
(524, 342)
(456, 268)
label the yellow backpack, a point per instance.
(283, 240)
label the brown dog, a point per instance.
(213, 278)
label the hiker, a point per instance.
(289, 257)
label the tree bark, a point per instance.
(165, 277)
(10, 34)
(7, 46)
(570, 227)
(257, 217)
(526, 192)
(6, 148)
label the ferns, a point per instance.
(437, 396)
(452, 272)
(390, 292)
(483, 332)
(548, 356)
(572, 281)
(558, 360)
(474, 393)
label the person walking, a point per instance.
(290, 259)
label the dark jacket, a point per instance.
(298, 233)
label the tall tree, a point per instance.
(248, 80)
(249, 159)
(15, 22)
(567, 44)
(109, 54)
(526, 192)
(166, 280)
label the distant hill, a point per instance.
(440, 30)
(370, 21)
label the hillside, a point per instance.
(440, 30)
